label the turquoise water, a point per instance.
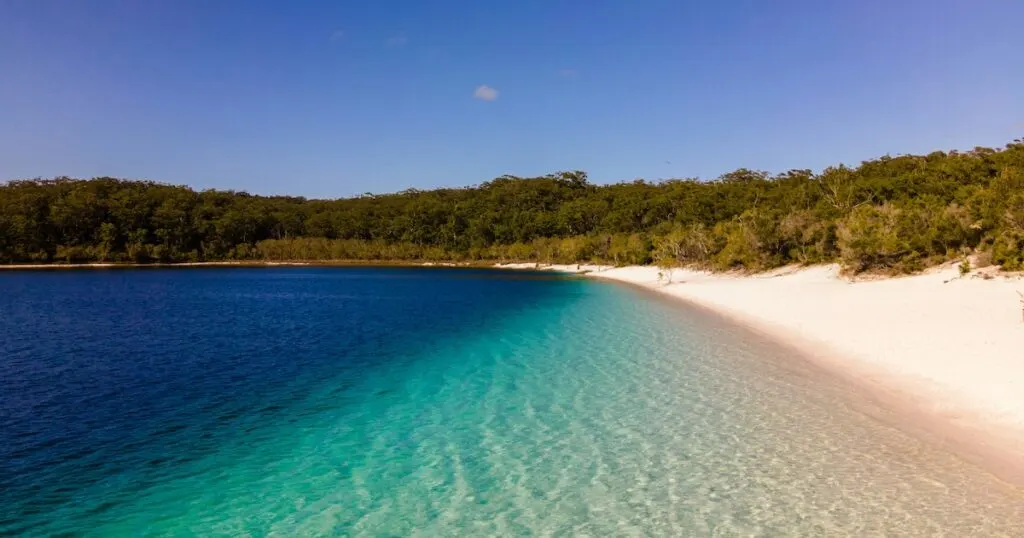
(398, 402)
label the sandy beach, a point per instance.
(950, 347)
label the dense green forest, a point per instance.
(891, 214)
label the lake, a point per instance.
(340, 401)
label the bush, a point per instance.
(686, 245)
(868, 239)
(741, 247)
(74, 254)
(807, 238)
(1008, 250)
(965, 267)
(633, 249)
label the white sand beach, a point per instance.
(951, 346)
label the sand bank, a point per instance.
(950, 346)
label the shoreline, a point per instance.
(942, 356)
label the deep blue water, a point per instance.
(132, 374)
(391, 401)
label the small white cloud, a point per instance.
(568, 73)
(485, 93)
(397, 41)
(337, 35)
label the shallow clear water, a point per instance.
(397, 402)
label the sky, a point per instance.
(334, 99)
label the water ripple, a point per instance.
(319, 402)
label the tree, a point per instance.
(888, 214)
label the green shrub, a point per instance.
(1008, 250)
(965, 267)
(868, 239)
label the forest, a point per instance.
(893, 214)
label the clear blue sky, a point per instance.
(327, 99)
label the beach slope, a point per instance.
(952, 346)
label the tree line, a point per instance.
(896, 214)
